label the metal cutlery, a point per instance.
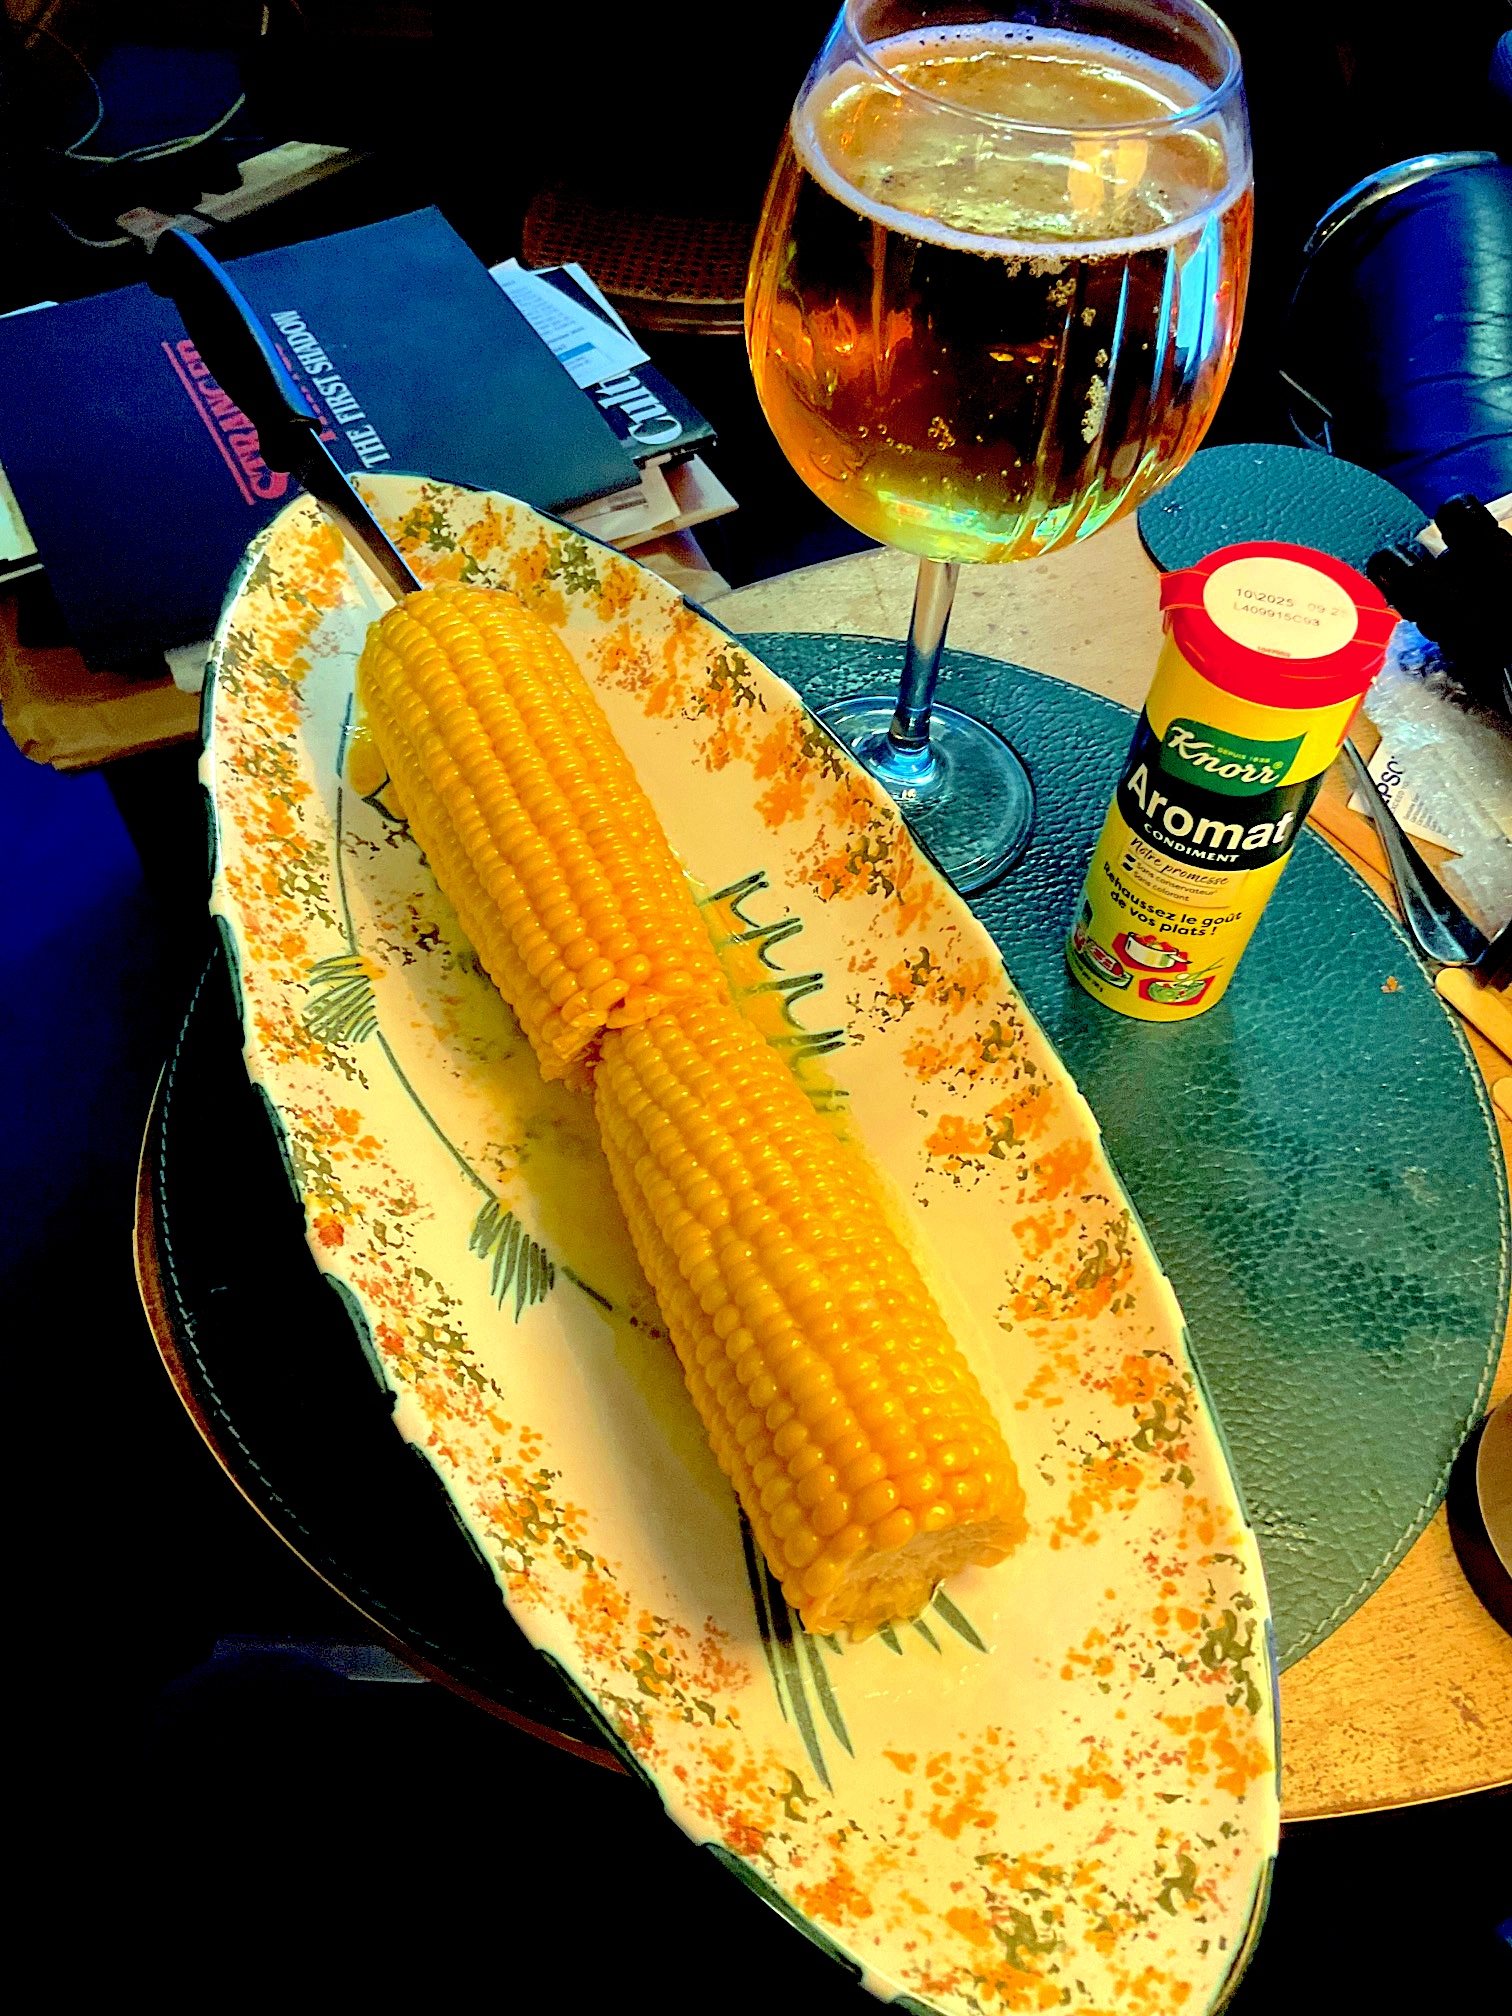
(1469, 969)
(228, 335)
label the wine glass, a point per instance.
(993, 301)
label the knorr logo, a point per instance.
(1220, 761)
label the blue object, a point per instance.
(142, 482)
(155, 94)
(80, 1025)
(1397, 351)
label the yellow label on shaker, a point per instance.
(1268, 651)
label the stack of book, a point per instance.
(134, 482)
(658, 428)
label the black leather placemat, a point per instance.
(316, 1451)
(1258, 490)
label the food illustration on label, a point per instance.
(1103, 963)
(1181, 990)
(1143, 948)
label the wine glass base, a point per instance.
(966, 796)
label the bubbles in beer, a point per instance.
(997, 287)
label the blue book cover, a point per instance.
(142, 482)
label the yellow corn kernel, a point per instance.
(532, 819)
(863, 1452)
(856, 1542)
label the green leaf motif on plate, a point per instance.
(745, 949)
(518, 1261)
(1223, 1647)
(574, 564)
(1183, 1885)
(426, 524)
(730, 672)
(795, 1658)
(958, 1621)
(341, 1007)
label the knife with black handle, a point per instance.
(228, 335)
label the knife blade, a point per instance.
(1468, 969)
(226, 331)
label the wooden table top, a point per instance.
(1411, 1698)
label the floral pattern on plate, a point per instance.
(1057, 1788)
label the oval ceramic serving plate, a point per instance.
(1057, 1789)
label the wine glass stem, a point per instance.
(933, 596)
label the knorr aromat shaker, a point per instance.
(1268, 651)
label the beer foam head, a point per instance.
(1009, 141)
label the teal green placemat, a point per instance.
(1316, 1157)
(1260, 490)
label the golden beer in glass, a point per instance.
(994, 299)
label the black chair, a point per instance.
(1397, 349)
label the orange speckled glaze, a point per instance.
(1057, 1790)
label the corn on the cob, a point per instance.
(861, 1447)
(839, 1406)
(532, 819)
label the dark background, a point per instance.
(677, 105)
(252, 1825)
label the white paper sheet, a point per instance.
(590, 347)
